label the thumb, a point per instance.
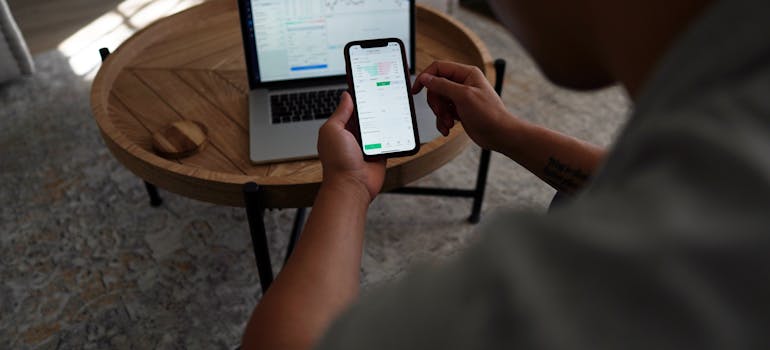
(344, 110)
(441, 86)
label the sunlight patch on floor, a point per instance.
(112, 28)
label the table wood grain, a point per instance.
(190, 66)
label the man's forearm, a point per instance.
(322, 276)
(563, 162)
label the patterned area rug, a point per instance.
(88, 264)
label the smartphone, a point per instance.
(378, 79)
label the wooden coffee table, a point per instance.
(190, 66)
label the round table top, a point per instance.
(190, 66)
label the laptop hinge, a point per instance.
(302, 83)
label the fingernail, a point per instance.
(425, 78)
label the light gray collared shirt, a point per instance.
(668, 248)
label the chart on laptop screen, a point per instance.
(304, 38)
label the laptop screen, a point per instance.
(297, 39)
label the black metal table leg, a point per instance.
(296, 230)
(155, 199)
(255, 214)
(481, 185)
(104, 52)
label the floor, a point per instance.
(86, 263)
(46, 23)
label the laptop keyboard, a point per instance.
(304, 106)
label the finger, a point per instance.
(343, 112)
(440, 127)
(443, 122)
(453, 114)
(442, 86)
(448, 106)
(446, 121)
(434, 102)
(449, 109)
(437, 110)
(439, 107)
(451, 70)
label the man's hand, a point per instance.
(461, 92)
(341, 155)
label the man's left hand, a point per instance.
(340, 153)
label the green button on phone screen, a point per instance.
(383, 83)
(373, 146)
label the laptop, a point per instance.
(296, 67)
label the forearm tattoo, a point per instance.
(563, 177)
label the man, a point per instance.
(666, 246)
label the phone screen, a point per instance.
(382, 99)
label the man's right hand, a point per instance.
(462, 92)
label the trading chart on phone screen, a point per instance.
(305, 38)
(382, 102)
